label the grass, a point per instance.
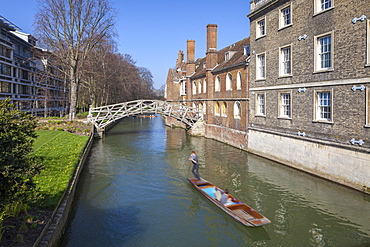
(60, 152)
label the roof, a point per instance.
(7, 24)
(236, 57)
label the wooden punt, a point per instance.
(235, 208)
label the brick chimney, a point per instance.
(180, 58)
(211, 52)
(190, 50)
(211, 37)
(190, 67)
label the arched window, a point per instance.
(224, 109)
(195, 87)
(204, 108)
(217, 84)
(237, 109)
(199, 87)
(229, 79)
(204, 86)
(217, 109)
(239, 81)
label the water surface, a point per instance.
(134, 192)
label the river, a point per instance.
(134, 191)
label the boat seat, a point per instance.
(210, 191)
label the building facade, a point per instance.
(27, 75)
(310, 86)
(217, 84)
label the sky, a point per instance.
(153, 32)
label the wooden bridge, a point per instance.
(103, 116)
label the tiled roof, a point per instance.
(238, 56)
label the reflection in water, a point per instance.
(134, 192)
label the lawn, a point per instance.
(60, 152)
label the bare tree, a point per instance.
(71, 29)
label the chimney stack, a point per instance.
(190, 50)
(211, 37)
(180, 58)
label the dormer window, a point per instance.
(204, 65)
(229, 55)
(247, 50)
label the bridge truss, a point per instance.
(105, 115)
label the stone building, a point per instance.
(217, 84)
(26, 75)
(310, 86)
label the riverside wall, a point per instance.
(336, 163)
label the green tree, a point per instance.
(17, 168)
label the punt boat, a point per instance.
(235, 208)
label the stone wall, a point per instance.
(236, 138)
(335, 163)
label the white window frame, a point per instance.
(261, 32)
(319, 6)
(239, 80)
(321, 105)
(182, 87)
(283, 62)
(282, 19)
(204, 86)
(217, 108)
(319, 53)
(237, 110)
(260, 104)
(194, 87)
(367, 107)
(285, 105)
(368, 43)
(224, 109)
(199, 87)
(229, 81)
(260, 68)
(217, 84)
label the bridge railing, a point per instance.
(105, 115)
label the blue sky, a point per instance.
(154, 31)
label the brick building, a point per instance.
(310, 86)
(26, 75)
(217, 84)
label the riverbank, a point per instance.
(60, 152)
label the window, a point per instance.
(323, 106)
(261, 28)
(323, 53)
(285, 17)
(285, 61)
(322, 5)
(204, 86)
(217, 109)
(368, 43)
(229, 79)
(261, 62)
(182, 87)
(194, 87)
(217, 84)
(224, 109)
(199, 87)
(237, 109)
(5, 69)
(285, 105)
(239, 81)
(260, 105)
(4, 87)
(367, 106)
